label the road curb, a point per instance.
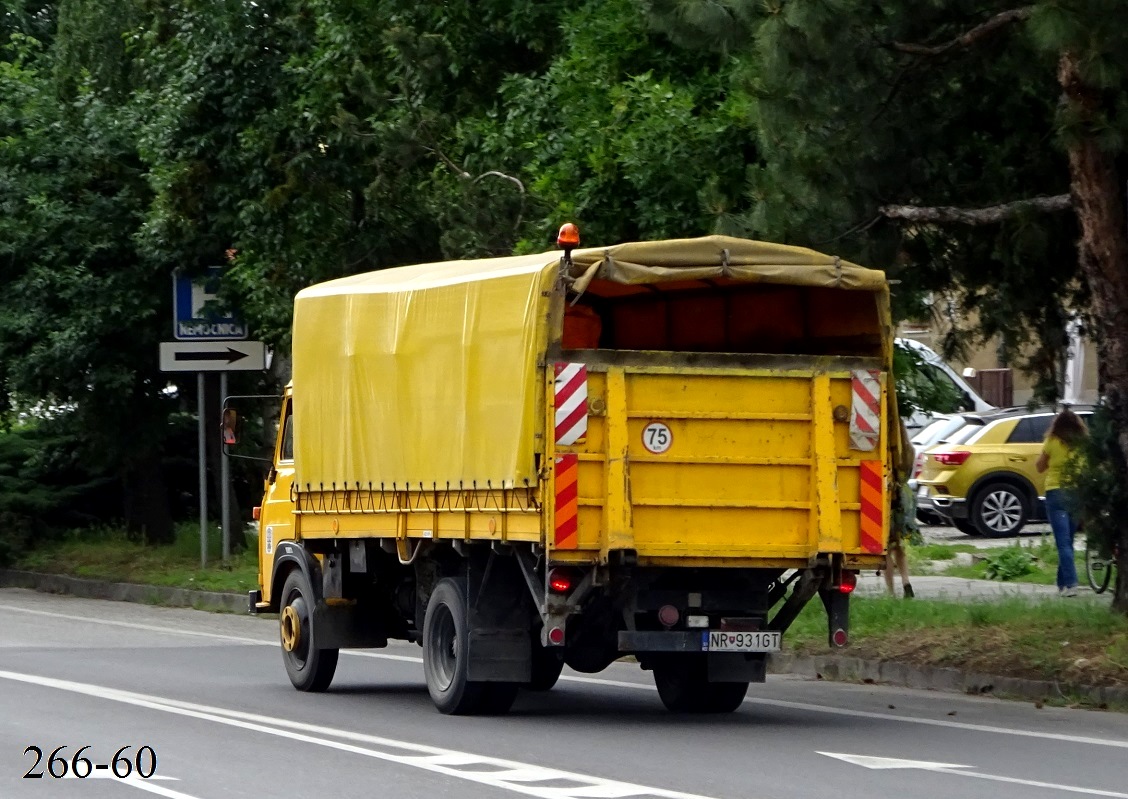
(934, 678)
(124, 592)
(839, 668)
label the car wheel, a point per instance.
(999, 510)
(966, 527)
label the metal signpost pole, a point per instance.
(209, 338)
(225, 481)
(203, 442)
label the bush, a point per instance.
(1009, 564)
(43, 488)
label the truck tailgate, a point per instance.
(717, 464)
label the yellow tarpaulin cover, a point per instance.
(428, 374)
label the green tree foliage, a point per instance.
(849, 124)
(920, 388)
(946, 142)
(622, 134)
(81, 308)
(44, 486)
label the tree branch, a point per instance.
(967, 38)
(992, 215)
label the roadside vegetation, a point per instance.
(108, 553)
(1024, 561)
(1076, 642)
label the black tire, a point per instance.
(1000, 510)
(497, 698)
(309, 667)
(1098, 570)
(446, 640)
(684, 688)
(966, 527)
(548, 662)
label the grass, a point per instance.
(108, 554)
(920, 554)
(1075, 642)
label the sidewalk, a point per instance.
(967, 590)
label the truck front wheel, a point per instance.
(446, 655)
(684, 687)
(309, 668)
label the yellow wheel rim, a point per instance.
(291, 629)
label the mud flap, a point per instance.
(501, 620)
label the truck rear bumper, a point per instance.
(670, 641)
(673, 641)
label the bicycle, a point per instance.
(1098, 570)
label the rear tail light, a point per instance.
(847, 582)
(918, 465)
(951, 458)
(560, 581)
(668, 615)
(256, 512)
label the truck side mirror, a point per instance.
(230, 427)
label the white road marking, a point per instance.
(783, 703)
(881, 763)
(135, 626)
(144, 783)
(961, 771)
(869, 714)
(510, 775)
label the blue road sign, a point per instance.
(197, 314)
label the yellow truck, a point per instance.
(659, 449)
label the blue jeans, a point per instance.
(1064, 526)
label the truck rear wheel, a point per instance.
(446, 649)
(309, 668)
(684, 687)
(547, 665)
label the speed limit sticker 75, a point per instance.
(657, 438)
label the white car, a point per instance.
(941, 371)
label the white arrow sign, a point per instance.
(213, 356)
(880, 763)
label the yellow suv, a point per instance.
(983, 478)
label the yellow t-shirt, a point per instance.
(1059, 453)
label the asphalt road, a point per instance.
(208, 694)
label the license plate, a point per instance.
(922, 491)
(721, 641)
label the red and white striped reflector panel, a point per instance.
(865, 412)
(567, 472)
(571, 403)
(872, 519)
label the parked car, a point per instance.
(983, 477)
(937, 430)
(958, 428)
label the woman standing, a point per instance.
(1062, 440)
